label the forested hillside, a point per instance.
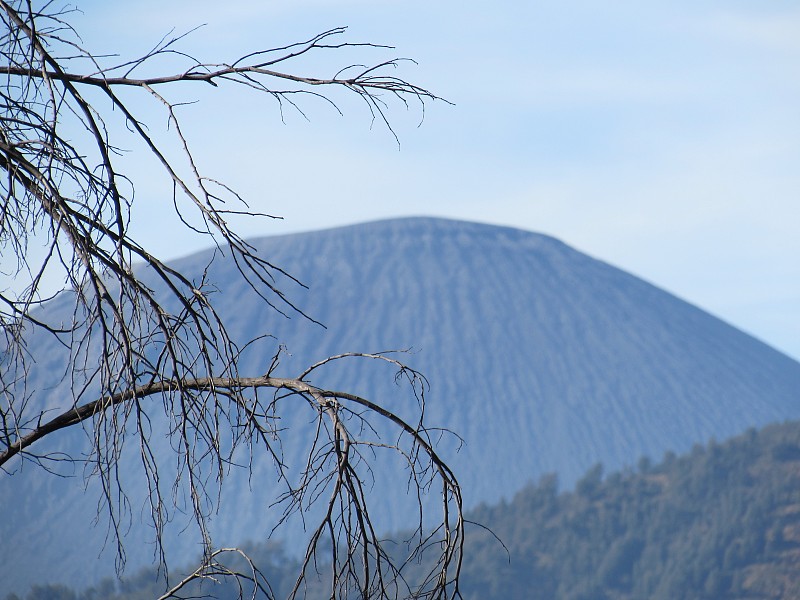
(722, 522)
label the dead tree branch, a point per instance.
(144, 340)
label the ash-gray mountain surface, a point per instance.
(541, 358)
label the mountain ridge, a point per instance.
(541, 358)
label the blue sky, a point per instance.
(662, 137)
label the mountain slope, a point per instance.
(541, 358)
(525, 339)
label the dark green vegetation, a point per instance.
(720, 522)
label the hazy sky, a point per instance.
(662, 137)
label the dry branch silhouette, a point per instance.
(137, 352)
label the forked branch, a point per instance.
(144, 340)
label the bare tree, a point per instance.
(138, 352)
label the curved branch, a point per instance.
(346, 480)
(130, 343)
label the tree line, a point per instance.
(722, 521)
